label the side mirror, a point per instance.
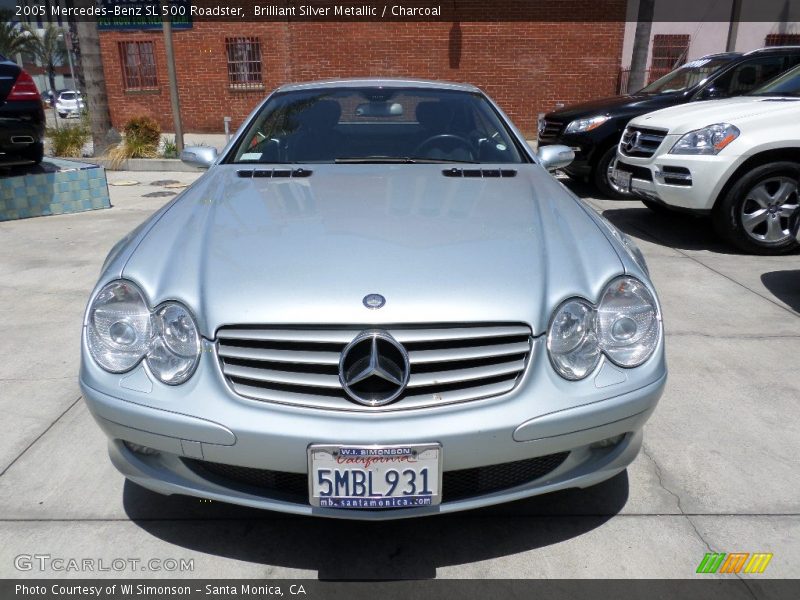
(199, 156)
(711, 93)
(555, 157)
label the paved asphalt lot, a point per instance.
(720, 468)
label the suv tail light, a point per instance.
(24, 89)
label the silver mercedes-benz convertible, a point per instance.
(376, 303)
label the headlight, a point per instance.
(628, 326)
(119, 327)
(175, 350)
(708, 140)
(580, 125)
(625, 326)
(572, 341)
(122, 330)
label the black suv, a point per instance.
(593, 129)
(22, 121)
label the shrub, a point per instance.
(69, 140)
(144, 129)
(142, 136)
(170, 149)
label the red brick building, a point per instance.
(224, 69)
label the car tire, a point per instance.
(755, 213)
(62, 115)
(601, 180)
(36, 154)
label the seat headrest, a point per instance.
(324, 114)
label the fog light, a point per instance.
(140, 449)
(608, 442)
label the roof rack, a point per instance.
(771, 49)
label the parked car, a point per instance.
(48, 98)
(22, 120)
(69, 103)
(737, 160)
(376, 298)
(593, 129)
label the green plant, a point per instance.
(68, 140)
(15, 38)
(170, 149)
(142, 136)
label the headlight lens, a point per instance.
(708, 140)
(625, 326)
(122, 330)
(175, 351)
(628, 327)
(119, 327)
(572, 341)
(580, 125)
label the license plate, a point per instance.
(402, 476)
(622, 179)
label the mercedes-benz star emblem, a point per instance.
(374, 301)
(632, 141)
(374, 368)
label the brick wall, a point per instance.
(527, 67)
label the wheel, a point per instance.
(36, 153)
(756, 212)
(656, 206)
(601, 176)
(62, 115)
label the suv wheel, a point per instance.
(755, 214)
(601, 177)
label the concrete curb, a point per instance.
(148, 164)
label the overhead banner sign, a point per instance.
(144, 14)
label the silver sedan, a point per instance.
(376, 303)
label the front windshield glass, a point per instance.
(686, 76)
(375, 125)
(787, 84)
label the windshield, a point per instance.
(686, 76)
(787, 84)
(68, 96)
(375, 125)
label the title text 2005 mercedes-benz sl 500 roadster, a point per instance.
(376, 303)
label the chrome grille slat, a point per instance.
(282, 377)
(299, 366)
(280, 356)
(457, 375)
(448, 354)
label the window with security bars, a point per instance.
(138, 65)
(244, 62)
(669, 52)
(782, 39)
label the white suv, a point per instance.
(68, 103)
(736, 160)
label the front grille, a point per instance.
(640, 142)
(550, 129)
(456, 485)
(300, 365)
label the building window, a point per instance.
(669, 52)
(782, 39)
(244, 62)
(138, 65)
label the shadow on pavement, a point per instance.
(785, 286)
(402, 549)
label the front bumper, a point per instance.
(684, 182)
(203, 420)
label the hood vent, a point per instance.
(276, 173)
(480, 173)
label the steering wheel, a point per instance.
(450, 139)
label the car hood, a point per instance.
(688, 117)
(616, 104)
(308, 249)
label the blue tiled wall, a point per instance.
(63, 187)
